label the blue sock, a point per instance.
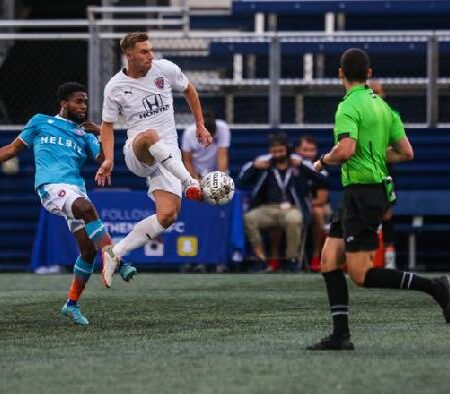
(82, 271)
(97, 234)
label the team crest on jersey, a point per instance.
(79, 132)
(159, 82)
(62, 193)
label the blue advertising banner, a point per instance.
(202, 233)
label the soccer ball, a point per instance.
(217, 188)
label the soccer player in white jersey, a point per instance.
(142, 94)
(61, 145)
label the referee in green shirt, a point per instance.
(368, 134)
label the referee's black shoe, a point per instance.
(442, 295)
(333, 343)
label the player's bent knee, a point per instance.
(328, 264)
(166, 219)
(149, 137)
(83, 209)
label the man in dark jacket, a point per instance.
(280, 196)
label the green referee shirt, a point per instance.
(365, 117)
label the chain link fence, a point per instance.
(31, 72)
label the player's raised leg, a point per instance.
(82, 270)
(150, 149)
(362, 272)
(167, 208)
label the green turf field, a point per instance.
(171, 333)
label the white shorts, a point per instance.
(158, 178)
(58, 198)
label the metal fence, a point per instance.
(256, 79)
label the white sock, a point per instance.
(169, 161)
(146, 229)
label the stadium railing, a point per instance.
(335, 12)
(310, 7)
(271, 65)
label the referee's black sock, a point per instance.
(338, 299)
(392, 279)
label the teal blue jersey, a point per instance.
(61, 147)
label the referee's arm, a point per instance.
(340, 153)
(399, 151)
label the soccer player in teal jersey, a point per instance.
(368, 135)
(61, 146)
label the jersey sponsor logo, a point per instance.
(61, 142)
(153, 105)
(128, 91)
(50, 121)
(152, 102)
(79, 132)
(159, 82)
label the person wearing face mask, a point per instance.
(279, 197)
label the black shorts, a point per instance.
(359, 217)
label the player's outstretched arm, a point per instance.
(9, 151)
(103, 175)
(191, 96)
(400, 151)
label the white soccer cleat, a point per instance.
(110, 263)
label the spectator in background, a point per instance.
(387, 224)
(200, 160)
(280, 197)
(320, 210)
(377, 88)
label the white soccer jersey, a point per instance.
(147, 102)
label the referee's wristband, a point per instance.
(322, 161)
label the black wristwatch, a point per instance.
(322, 161)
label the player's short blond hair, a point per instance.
(130, 40)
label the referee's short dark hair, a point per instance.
(65, 90)
(355, 64)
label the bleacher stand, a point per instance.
(227, 53)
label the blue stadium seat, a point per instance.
(19, 205)
(223, 47)
(361, 7)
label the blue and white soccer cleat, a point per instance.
(74, 312)
(127, 271)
